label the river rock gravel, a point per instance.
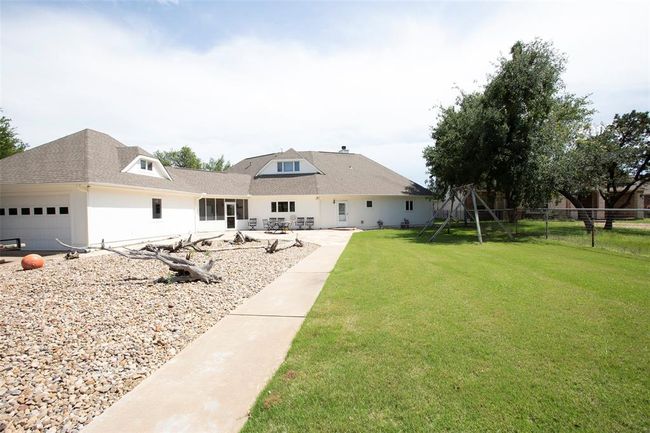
(78, 334)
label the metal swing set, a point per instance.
(457, 197)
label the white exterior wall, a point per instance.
(390, 209)
(39, 232)
(121, 216)
(306, 206)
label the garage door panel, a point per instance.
(36, 231)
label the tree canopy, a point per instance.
(620, 159)
(185, 157)
(509, 137)
(9, 141)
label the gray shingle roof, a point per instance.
(93, 157)
(90, 156)
(342, 173)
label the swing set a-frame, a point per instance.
(457, 197)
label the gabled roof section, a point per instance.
(254, 166)
(59, 161)
(90, 156)
(340, 173)
(127, 154)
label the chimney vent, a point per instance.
(344, 149)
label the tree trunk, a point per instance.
(583, 215)
(609, 220)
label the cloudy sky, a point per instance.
(246, 78)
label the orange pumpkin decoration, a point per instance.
(32, 261)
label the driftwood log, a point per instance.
(70, 255)
(241, 238)
(73, 249)
(185, 270)
(181, 245)
(274, 247)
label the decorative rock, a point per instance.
(32, 261)
(80, 334)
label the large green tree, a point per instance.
(621, 152)
(9, 141)
(509, 137)
(185, 157)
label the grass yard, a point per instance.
(408, 336)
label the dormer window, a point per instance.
(288, 166)
(146, 165)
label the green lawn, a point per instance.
(409, 336)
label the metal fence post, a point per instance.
(593, 234)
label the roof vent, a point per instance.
(344, 149)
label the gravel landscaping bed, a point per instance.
(77, 335)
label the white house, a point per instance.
(87, 186)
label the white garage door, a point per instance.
(36, 220)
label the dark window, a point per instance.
(150, 166)
(51, 211)
(274, 206)
(210, 209)
(156, 208)
(369, 203)
(63, 210)
(220, 210)
(279, 167)
(292, 206)
(25, 211)
(202, 209)
(38, 211)
(283, 206)
(143, 164)
(13, 211)
(409, 205)
(2, 211)
(296, 166)
(242, 209)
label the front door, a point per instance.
(342, 208)
(230, 215)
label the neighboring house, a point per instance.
(595, 201)
(87, 186)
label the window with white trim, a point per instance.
(288, 166)
(146, 165)
(283, 206)
(211, 209)
(409, 205)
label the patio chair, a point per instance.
(405, 224)
(265, 224)
(252, 223)
(309, 223)
(300, 222)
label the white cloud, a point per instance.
(64, 71)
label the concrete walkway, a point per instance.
(211, 384)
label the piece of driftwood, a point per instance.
(79, 250)
(70, 255)
(186, 271)
(240, 238)
(181, 245)
(271, 246)
(275, 246)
